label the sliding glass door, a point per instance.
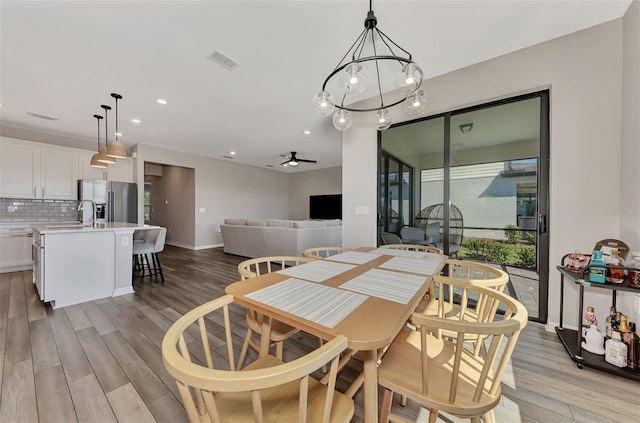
(482, 177)
(395, 187)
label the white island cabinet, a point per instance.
(74, 263)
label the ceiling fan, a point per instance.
(294, 161)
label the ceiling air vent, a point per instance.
(42, 116)
(223, 60)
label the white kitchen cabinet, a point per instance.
(15, 251)
(32, 170)
(58, 174)
(19, 170)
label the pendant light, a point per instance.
(103, 158)
(117, 149)
(374, 54)
(94, 158)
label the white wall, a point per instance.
(584, 74)
(312, 182)
(224, 189)
(359, 188)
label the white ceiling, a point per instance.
(63, 59)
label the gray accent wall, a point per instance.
(222, 188)
(173, 204)
(312, 182)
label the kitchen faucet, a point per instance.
(95, 210)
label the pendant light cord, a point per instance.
(98, 117)
(106, 124)
(116, 119)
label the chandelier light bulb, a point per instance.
(323, 103)
(342, 120)
(416, 103)
(410, 78)
(354, 79)
(382, 119)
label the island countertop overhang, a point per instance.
(49, 228)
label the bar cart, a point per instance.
(572, 339)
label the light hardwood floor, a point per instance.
(100, 361)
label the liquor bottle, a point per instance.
(615, 267)
(597, 268)
(615, 351)
(629, 338)
(589, 318)
(610, 319)
(633, 274)
(615, 323)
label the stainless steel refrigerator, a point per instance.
(115, 201)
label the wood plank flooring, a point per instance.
(101, 362)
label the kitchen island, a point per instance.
(77, 263)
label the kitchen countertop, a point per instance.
(52, 227)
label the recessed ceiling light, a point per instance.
(134, 120)
(307, 132)
(233, 153)
(161, 101)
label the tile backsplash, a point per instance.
(25, 210)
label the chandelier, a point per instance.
(371, 56)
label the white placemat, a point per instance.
(400, 253)
(315, 302)
(407, 264)
(316, 271)
(354, 257)
(385, 284)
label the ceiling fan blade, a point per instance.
(307, 161)
(285, 162)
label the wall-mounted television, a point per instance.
(325, 206)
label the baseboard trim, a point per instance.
(193, 247)
(123, 291)
(204, 247)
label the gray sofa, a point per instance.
(272, 237)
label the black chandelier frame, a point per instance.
(356, 50)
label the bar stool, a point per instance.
(158, 248)
(152, 244)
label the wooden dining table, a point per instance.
(374, 295)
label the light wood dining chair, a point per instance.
(413, 247)
(446, 296)
(440, 372)
(279, 331)
(323, 252)
(213, 390)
